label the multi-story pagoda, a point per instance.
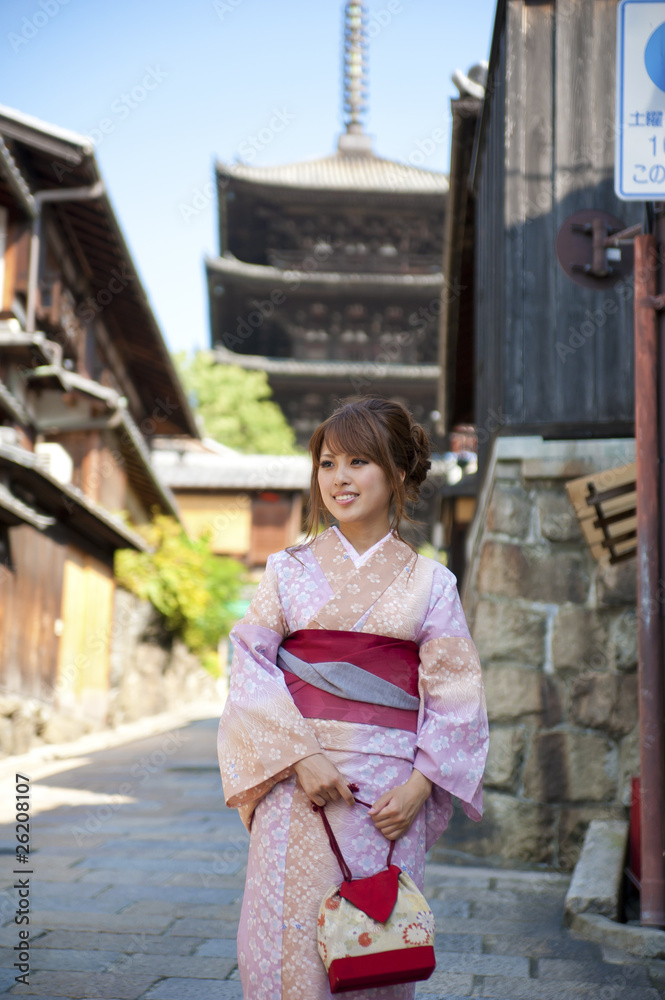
(329, 276)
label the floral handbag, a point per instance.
(374, 931)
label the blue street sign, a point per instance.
(639, 166)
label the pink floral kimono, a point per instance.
(388, 591)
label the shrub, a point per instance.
(186, 582)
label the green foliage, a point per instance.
(186, 582)
(235, 405)
(439, 554)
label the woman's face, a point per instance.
(354, 489)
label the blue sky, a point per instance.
(165, 88)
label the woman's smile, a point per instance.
(345, 498)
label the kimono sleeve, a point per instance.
(261, 732)
(453, 736)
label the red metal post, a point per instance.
(650, 677)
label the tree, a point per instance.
(192, 588)
(235, 405)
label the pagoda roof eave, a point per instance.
(292, 367)
(338, 174)
(260, 275)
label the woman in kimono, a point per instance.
(356, 593)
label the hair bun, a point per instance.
(420, 462)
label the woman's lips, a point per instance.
(345, 498)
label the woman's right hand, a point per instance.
(321, 781)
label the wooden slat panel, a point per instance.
(10, 676)
(575, 177)
(510, 130)
(30, 605)
(614, 350)
(608, 479)
(73, 633)
(84, 657)
(539, 307)
(93, 692)
(270, 527)
(596, 381)
(496, 250)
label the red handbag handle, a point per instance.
(336, 849)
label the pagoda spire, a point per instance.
(354, 140)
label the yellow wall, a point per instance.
(87, 622)
(227, 515)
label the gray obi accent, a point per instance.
(346, 680)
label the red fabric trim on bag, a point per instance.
(375, 895)
(395, 660)
(409, 965)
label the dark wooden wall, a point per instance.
(547, 150)
(494, 259)
(30, 605)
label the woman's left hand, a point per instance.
(395, 810)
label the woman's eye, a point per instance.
(360, 461)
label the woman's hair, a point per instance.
(382, 431)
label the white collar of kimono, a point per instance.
(358, 560)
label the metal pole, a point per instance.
(650, 673)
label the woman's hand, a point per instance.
(395, 810)
(321, 781)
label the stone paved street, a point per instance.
(138, 878)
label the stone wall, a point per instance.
(150, 672)
(557, 636)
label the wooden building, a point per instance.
(537, 355)
(548, 356)
(251, 504)
(85, 382)
(329, 271)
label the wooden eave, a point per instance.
(295, 371)
(135, 453)
(280, 193)
(259, 277)
(46, 497)
(53, 161)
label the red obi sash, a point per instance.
(392, 660)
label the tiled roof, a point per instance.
(261, 273)
(192, 470)
(344, 172)
(375, 370)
